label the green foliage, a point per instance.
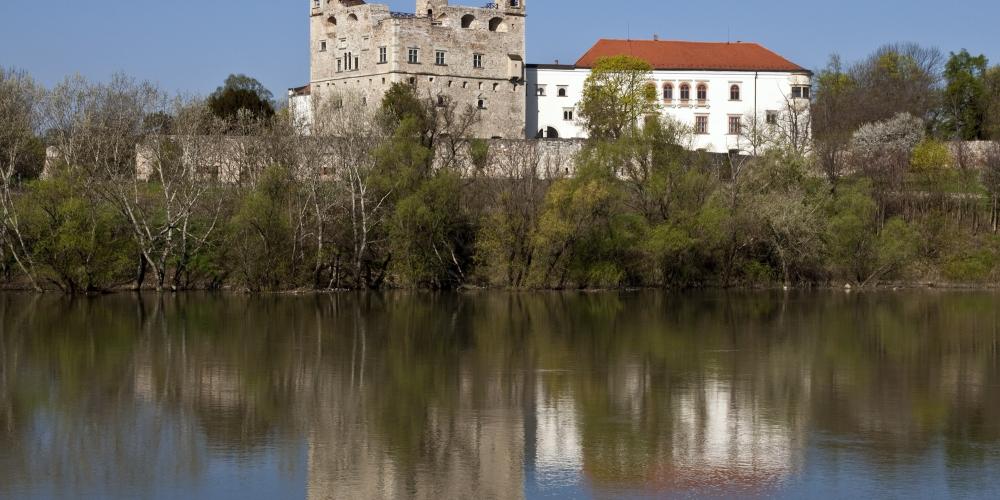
(616, 95)
(241, 96)
(965, 96)
(851, 233)
(81, 243)
(261, 233)
(931, 162)
(431, 238)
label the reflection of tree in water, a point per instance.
(449, 395)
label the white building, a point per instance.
(711, 87)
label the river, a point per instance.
(501, 395)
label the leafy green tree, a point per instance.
(241, 95)
(965, 96)
(262, 233)
(616, 95)
(992, 98)
(80, 242)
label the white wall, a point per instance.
(760, 92)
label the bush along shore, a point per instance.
(119, 186)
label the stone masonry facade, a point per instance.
(450, 54)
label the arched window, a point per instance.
(467, 20)
(668, 92)
(332, 20)
(547, 133)
(352, 17)
(734, 93)
(561, 92)
(496, 24)
(702, 92)
(685, 92)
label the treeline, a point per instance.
(867, 187)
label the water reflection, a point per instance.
(497, 395)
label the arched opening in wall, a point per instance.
(668, 92)
(547, 133)
(467, 20)
(497, 24)
(331, 21)
(352, 17)
(443, 20)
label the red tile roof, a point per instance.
(673, 55)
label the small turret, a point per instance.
(428, 7)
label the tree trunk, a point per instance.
(140, 274)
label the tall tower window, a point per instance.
(477, 61)
(383, 55)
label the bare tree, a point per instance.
(991, 179)
(349, 127)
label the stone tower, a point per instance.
(451, 54)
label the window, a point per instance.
(322, 46)
(477, 61)
(701, 124)
(540, 90)
(481, 104)
(685, 92)
(562, 92)
(668, 92)
(568, 114)
(800, 91)
(734, 93)
(441, 101)
(383, 55)
(702, 92)
(772, 117)
(339, 66)
(315, 4)
(735, 125)
(357, 63)
(439, 58)
(413, 55)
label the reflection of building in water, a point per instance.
(558, 453)
(473, 449)
(720, 437)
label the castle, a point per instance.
(448, 53)
(457, 54)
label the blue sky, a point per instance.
(191, 45)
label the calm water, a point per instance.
(496, 395)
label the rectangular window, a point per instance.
(800, 92)
(439, 58)
(701, 124)
(477, 61)
(315, 4)
(322, 46)
(481, 104)
(383, 55)
(568, 114)
(413, 56)
(340, 65)
(772, 117)
(735, 125)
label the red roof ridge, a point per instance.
(692, 55)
